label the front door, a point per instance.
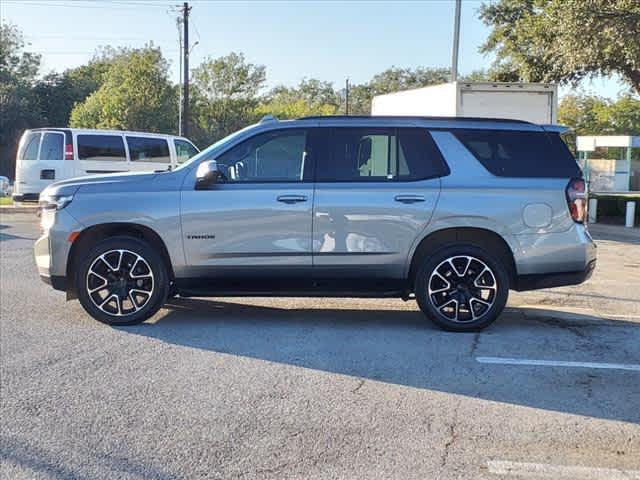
(254, 224)
(376, 189)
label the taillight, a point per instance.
(577, 199)
(68, 152)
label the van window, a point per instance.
(101, 147)
(30, 145)
(52, 146)
(508, 153)
(381, 155)
(184, 150)
(148, 149)
(276, 156)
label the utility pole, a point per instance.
(456, 42)
(185, 65)
(178, 24)
(346, 97)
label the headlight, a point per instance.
(54, 202)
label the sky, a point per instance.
(328, 40)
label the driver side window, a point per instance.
(277, 156)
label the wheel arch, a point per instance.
(484, 238)
(89, 236)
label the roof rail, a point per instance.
(416, 117)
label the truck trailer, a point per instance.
(533, 102)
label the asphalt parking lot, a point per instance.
(321, 388)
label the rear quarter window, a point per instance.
(101, 147)
(508, 153)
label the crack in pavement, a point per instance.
(453, 436)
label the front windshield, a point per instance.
(209, 150)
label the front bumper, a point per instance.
(25, 197)
(51, 250)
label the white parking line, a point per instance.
(543, 470)
(559, 363)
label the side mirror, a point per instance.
(208, 174)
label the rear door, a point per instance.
(41, 161)
(376, 189)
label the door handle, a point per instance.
(409, 198)
(292, 198)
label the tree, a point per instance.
(225, 96)
(393, 79)
(592, 115)
(135, 95)
(18, 70)
(564, 40)
(310, 97)
(58, 93)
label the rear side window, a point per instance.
(507, 153)
(52, 146)
(145, 149)
(419, 156)
(184, 150)
(101, 148)
(379, 155)
(29, 147)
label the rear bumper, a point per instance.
(551, 280)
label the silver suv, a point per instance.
(451, 211)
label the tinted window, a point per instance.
(145, 149)
(184, 150)
(419, 156)
(269, 157)
(520, 154)
(101, 147)
(30, 144)
(52, 146)
(374, 154)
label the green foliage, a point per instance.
(310, 97)
(18, 70)
(136, 94)
(564, 40)
(224, 97)
(56, 94)
(592, 115)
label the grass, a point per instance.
(6, 201)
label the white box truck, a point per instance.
(533, 102)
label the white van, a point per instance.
(46, 155)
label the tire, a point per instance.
(126, 268)
(462, 288)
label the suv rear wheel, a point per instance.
(462, 288)
(122, 281)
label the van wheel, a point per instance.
(122, 281)
(462, 288)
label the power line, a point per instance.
(77, 4)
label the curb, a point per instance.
(10, 209)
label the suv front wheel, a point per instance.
(462, 288)
(122, 281)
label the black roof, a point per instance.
(414, 117)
